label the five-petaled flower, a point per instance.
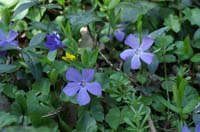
(81, 84)
(138, 51)
(53, 42)
(9, 39)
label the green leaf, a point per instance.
(187, 47)
(84, 57)
(184, 50)
(9, 90)
(23, 7)
(51, 6)
(4, 68)
(167, 104)
(192, 15)
(173, 22)
(113, 118)
(113, 4)
(126, 113)
(169, 58)
(86, 123)
(19, 106)
(37, 39)
(62, 2)
(154, 65)
(168, 85)
(19, 25)
(88, 58)
(42, 85)
(6, 119)
(142, 78)
(38, 25)
(176, 97)
(137, 8)
(9, 47)
(190, 106)
(52, 55)
(181, 90)
(158, 32)
(8, 3)
(35, 14)
(38, 110)
(53, 75)
(79, 20)
(33, 64)
(196, 58)
(5, 16)
(97, 112)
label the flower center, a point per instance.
(138, 52)
(83, 83)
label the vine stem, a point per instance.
(151, 125)
(107, 61)
(165, 76)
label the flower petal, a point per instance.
(15, 43)
(119, 35)
(147, 57)
(131, 41)
(146, 43)
(185, 129)
(94, 88)
(127, 53)
(12, 35)
(88, 74)
(2, 37)
(83, 97)
(71, 88)
(53, 42)
(197, 128)
(73, 75)
(3, 43)
(135, 62)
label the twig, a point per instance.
(151, 125)
(107, 61)
(53, 113)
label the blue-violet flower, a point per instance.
(186, 129)
(9, 39)
(138, 51)
(119, 34)
(53, 42)
(81, 84)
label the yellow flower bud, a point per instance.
(69, 56)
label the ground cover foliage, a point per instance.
(99, 65)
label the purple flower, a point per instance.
(9, 39)
(53, 42)
(119, 34)
(185, 129)
(138, 51)
(197, 128)
(81, 84)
